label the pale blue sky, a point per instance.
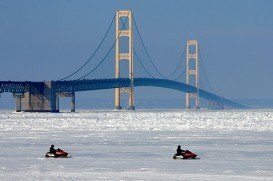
(47, 40)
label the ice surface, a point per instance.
(138, 145)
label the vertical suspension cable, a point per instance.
(145, 69)
(142, 64)
(96, 50)
(149, 57)
(104, 58)
(205, 70)
(180, 61)
(183, 72)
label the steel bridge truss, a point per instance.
(59, 87)
(21, 87)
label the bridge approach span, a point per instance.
(21, 86)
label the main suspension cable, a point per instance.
(96, 50)
(180, 61)
(183, 72)
(205, 70)
(142, 64)
(104, 58)
(149, 57)
(145, 69)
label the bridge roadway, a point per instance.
(97, 84)
(21, 86)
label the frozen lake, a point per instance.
(139, 145)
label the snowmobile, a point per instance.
(59, 154)
(187, 155)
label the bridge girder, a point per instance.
(21, 87)
(85, 85)
(88, 85)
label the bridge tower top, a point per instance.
(192, 72)
(124, 29)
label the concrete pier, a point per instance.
(131, 108)
(38, 102)
(213, 105)
(73, 102)
(18, 99)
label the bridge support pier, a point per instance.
(117, 99)
(18, 106)
(73, 102)
(215, 105)
(57, 103)
(18, 101)
(118, 108)
(46, 101)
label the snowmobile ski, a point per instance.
(181, 157)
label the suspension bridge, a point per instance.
(44, 96)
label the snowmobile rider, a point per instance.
(179, 151)
(52, 150)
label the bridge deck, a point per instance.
(87, 85)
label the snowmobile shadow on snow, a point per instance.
(58, 154)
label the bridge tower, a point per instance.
(124, 29)
(192, 73)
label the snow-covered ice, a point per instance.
(138, 145)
